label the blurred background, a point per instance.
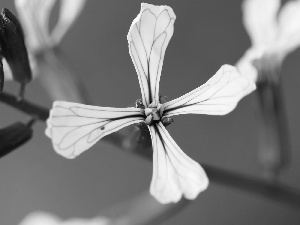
(208, 34)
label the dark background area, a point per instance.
(208, 34)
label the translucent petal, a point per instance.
(289, 28)
(148, 38)
(75, 127)
(34, 17)
(174, 173)
(80, 221)
(40, 218)
(43, 218)
(259, 17)
(218, 96)
(69, 11)
(245, 64)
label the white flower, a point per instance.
(43, 218)
(273, 33)
(74, 127)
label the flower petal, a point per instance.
(38, 218)
(289, 28)
(174, 173)
(69, 11)
(259, 19)
(245, 64)
(43, 218)
(218, 96)
(75, 127)
(34, 17)
(148, 38)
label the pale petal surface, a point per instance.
(69, 11)
(288, 28)
(174, 173)
(245, 64)
(259, 17)
(218, 96)
(43, 218)
(40, 218)
(34, 17)
(148, 38)
(75, 127)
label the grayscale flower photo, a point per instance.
(165, 112)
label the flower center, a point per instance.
(153, 113)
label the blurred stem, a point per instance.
(36, 111)
(274, 148)
(58, 78)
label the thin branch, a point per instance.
(271, 190)
(36, 111)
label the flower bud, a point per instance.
(14, 136)
(166, 121)
(13, 47)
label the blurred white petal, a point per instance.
(40, 218)
(245, 64)
(80, 221)
(75, 127)
(174, 173)
(69, 11)
(218, 96)
(259, 17)
(148, 38)
(43, 218)
(34, 17)
(289, 28)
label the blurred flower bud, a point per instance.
(14, 136)
(13, 47)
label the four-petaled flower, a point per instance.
(273, 34)
(75, 127)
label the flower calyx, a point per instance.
(153, 113)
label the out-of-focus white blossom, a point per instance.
(34, 16)
(43, 218)
(74, 127)
(45, 58)
(274, 32)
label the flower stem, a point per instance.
(36, 111)
(274, 152)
